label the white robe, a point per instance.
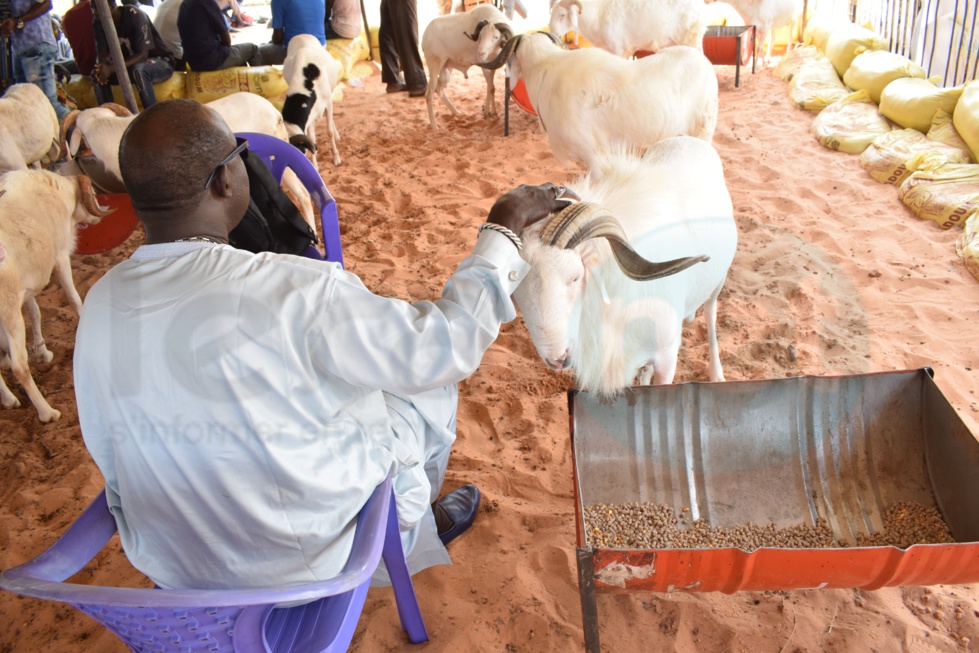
(243, 407)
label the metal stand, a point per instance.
(589, 605)
(367, 31)
(506, 107)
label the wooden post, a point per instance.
(367, 31)
(118, 61)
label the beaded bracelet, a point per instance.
(514, 238)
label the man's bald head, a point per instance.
(168, 151)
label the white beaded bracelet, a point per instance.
(514, 238)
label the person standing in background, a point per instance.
(77, 26)
(34, 48)
(401, 64)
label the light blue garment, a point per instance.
(36, 30)
(299, 17)
(36, 66)
(243, 407)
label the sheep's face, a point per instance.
(549, 299)
(489, 44)
(564, 19)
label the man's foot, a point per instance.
(396, 87)
(417, 92)
(455, 512)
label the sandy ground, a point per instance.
(829, 263)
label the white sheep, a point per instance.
(766, 15)
(39, 213)
(28, 128)
(624, 26)
(590, 102)
(585, 314)
(456, 42)
(98, 131)
(311, 74)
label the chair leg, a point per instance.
(404, 590)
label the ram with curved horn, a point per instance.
(590, 103)
(457, 42)
(39, 214)
(614, 276)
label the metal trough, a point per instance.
(785, 451)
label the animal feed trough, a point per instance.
(730, 46)
(828, 466)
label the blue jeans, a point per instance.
(143, 75)
(36, 66)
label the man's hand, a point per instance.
(523, 206)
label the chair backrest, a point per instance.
(279, 155)
(227, 621)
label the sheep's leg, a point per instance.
(311, 135)
(489, 108)
(63, 271)
(444, 77)
(13, 324)
(710, 314)
(334, 136)
(434, 79)
(39, 352)
(7, 398)
(664, 372)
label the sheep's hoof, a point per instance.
(50, 415)
(10, 402)
(41, 354)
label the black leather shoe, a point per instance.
(417, 92)
(396, 87)
(455, 512)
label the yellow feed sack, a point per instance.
(966, 117)
(943, 131)
(348, 52)
(967, 245)
(947, 195)
(818, 29)
(80, 89)
(850, 125)
(266, 81)
(845, 43)
(789, 65)
(816, 85)
(874, 69)
(886, 158)
(912, 102)
(721, 13)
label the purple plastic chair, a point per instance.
(228, 621)
(279, 155)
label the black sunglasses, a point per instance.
(242, 150)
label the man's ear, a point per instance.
(222, 182)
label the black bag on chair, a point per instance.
(272, 222)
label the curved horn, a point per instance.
(505, 30)
(479, 28)
(508, 49)
(302, 142)
(117, 109)
(556, 40)
(584, 220)
(89, 201)
(575, 3)
(66, 124)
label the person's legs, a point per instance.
(242, 54)
(390, 63)
(36, 65)
(152, 71)
(272, 53)
(404, 23)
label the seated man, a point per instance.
(206, 39)
(242, 407)
(343, 19)
(147, 58)
(292, 17)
